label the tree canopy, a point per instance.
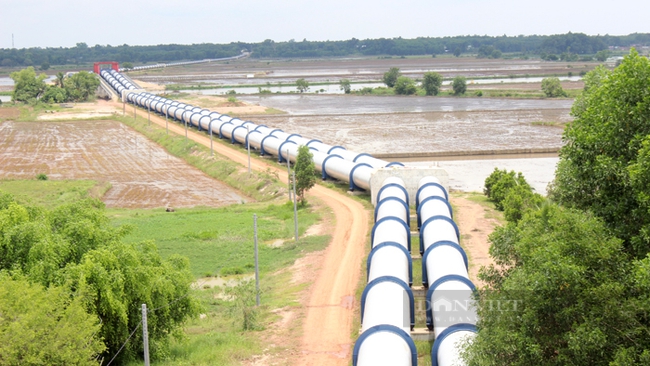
(604, 162)
(552, 87)
(305, 171)
(459, 85)
(405, 86)
(571, 281)
(28, 85)
(390, 77)
(576, 43)
(431, 83)
(561, 293)
(74, 248)
(45, 326)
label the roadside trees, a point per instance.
(27, 85)
(345, 86)
(459, 85)
(405, 86)
(305, 172)
(552, 88)
(390, 77)
(431, 83)
(302, 85)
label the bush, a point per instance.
(431, 83)
(405, 86)
(552, 88)
(500, 182)
(459, 85)
(390, 77)
(41, 176)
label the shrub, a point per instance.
(41, 176)
(500, 182)
(459, 85)
(405, 86)
(552, 88)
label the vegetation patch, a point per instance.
(52, 193)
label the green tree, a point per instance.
(81, 86)
(305, 172)
(45, 66)
(431, 83)
(41, 326)
(127, 65)
(561, 293)
(500, 182)
(390, 77)
(552, 87)
(345, 86)
(458, 51)
(459, 85)
(27, 85)
(59, 81)
(405, 86)
(75, 247)
(302, 85)
(602, 55)
(603, 163)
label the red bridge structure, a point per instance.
(99, 66)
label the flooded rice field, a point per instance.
(142, 174)
(261, 71)
(431, 131)
(469, 175)
(357, 104)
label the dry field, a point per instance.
(142, 174)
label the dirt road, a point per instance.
(474, 228)
(330, 305)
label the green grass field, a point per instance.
(220, 241)
(52, 193)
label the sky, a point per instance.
(64, 23)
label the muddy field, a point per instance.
(376, 127)
(254, 71)
(141, 173)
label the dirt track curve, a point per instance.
(330, 306)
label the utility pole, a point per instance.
(145, 335)
(295, 206)
(257, 267)
(185, 127)
(248, 146)
(289, 172)
(210, 128)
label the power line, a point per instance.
(125, 342)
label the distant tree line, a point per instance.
(486, 46)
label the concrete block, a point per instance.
(411, 177)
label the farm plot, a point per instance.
(142, 174)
